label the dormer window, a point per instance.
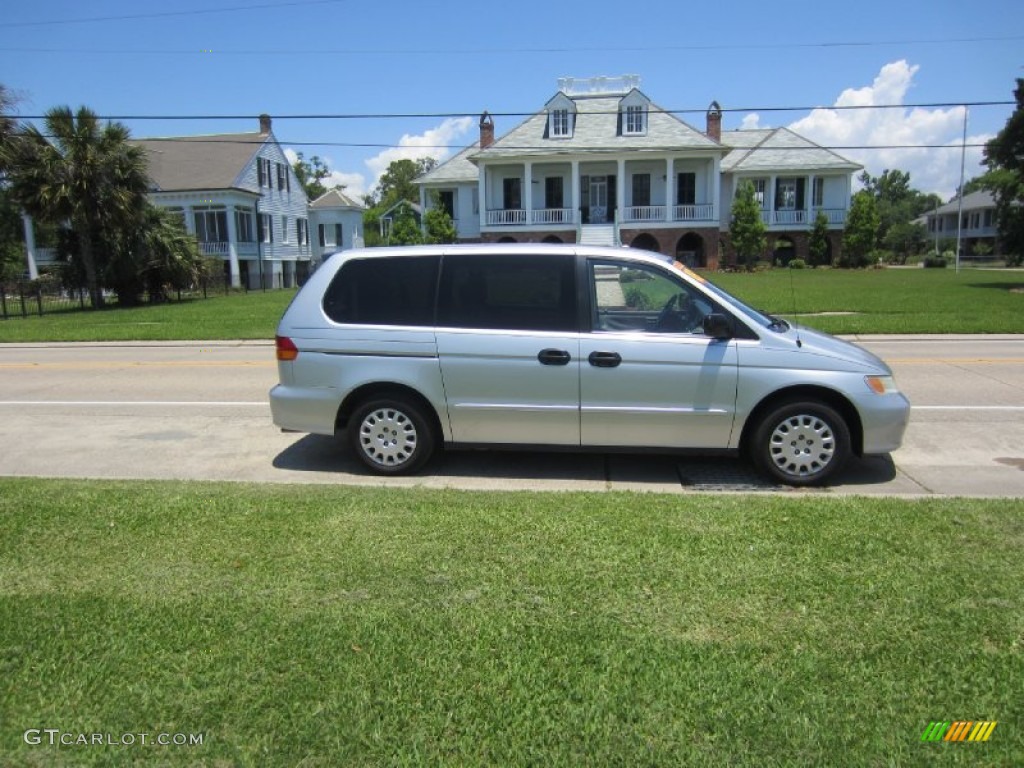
(560, 125)
(635, 123)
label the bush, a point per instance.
(637, 298)
(935, 262)
(797, 264)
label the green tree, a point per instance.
(85, 174)
(438, 223)
(396, 183)
(905, 239)
(861, 232)
(818, 241)
(1004, 156)
(157, 255)
(746, 227)
(897, 204)
(311, 174)
(404, 230)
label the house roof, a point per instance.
(414, 207)
(775, 149)
(596, 129)
(972, 202)
(457, 169)
(334, 198)
(200, 162)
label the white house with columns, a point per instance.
(602, 163)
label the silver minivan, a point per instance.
(406, 349)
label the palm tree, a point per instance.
(84, 174)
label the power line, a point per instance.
(475, 113)
(489, 50)
(166, 14)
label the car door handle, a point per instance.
(554, 357)
(605, 359)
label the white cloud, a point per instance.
(751, 122)
(431, 143)
(931, 170)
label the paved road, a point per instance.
(184, 410)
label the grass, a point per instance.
(888, 300)
(296, 625)
(882, 301)
(252, 315)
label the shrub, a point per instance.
(797, 264)
(636, 298)
(935, 262)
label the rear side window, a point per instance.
(515, 292)
(384, 291)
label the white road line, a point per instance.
(136, 402)
(967, 408)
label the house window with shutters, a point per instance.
(337, 235)
(265, 225)
(302, 231)
(818, 193)
(641, 189)
(263, 171)
(512, 193)
(321, 234)
(686, 189)
(553, 194)
(284, 229)
(244, 226)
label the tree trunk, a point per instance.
(92, 282)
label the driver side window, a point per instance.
(639, 298)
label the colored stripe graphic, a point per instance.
(959, 730)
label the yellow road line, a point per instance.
(139, 364)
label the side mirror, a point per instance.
(718, 326)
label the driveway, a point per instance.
(199, 411)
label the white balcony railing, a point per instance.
(506, 216)
(644, 213)
(553, 216)
(705, 212)
(834, 215)
(790, 217)
(214, 249)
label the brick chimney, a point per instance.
(264, 124)
(486, 130)
(714, 122)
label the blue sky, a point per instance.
(243, 57)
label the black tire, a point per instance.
(391, 435)
(801, 443)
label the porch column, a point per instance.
(481, 190)
(236, 277)
(771, 200)
(716, 188)
(670, 186)
(809, 199)
(528, 194)
(576, 202)
(620, 188)
(30, 246)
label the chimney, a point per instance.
(486, 130)
(714, 124)
(264, 124)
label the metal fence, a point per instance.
(47, 296)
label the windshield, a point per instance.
(762, 319)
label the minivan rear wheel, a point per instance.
(801, 443)
(391, 436)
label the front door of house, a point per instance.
(598, 199)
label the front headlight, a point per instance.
(881, 385)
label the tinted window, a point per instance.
(384, 291)
(525, 293)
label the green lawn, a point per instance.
(296, 625)
(882, 301)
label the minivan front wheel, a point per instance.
(801, 443)
(391, 436)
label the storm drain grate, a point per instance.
(723, 475)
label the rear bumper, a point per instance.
(305, 409)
